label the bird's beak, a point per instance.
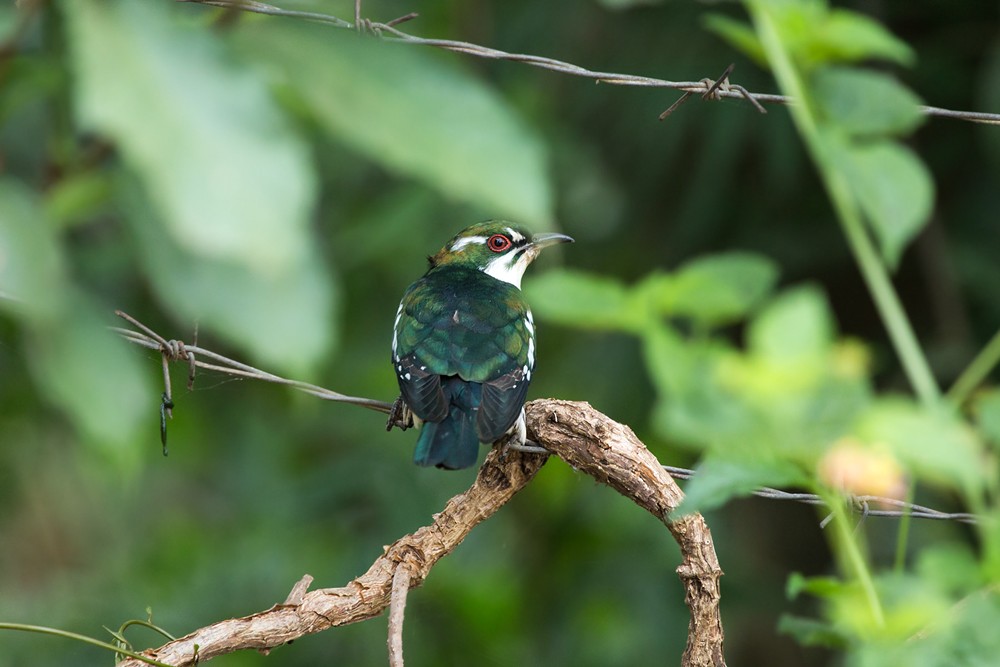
(542, 240)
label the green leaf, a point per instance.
(821, 587)
(934, 444)
(719, 479)
(412, 111)
(284, 318)
(219, 160)
(575, 298)
(739, 35)
(795, 327)
(865, 103)
(692, 408)
(848, 35)
(31, 264)
(81, 366)
(816, 35)
(810, 632)
(894, 189)
(719, 289)
(101, 382)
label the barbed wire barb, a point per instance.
(709, 89)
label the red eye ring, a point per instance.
(498, 243)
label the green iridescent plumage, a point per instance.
(463, 342)
(465, 323)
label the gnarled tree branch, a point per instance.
(586, 439)
(611, 453)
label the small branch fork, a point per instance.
(403, 565)
(708, 89)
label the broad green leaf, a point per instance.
(284, 318)
(692, 407)
(848, 35)
(935, 445)
(670, 360)
(817, 35)
(415, 112)
(97, 378)
(31, 264)
(895, 191)
(865, 103)
(719, 289)
(82, 367)
(219, 160)
(719, 479)
(739, 35)
(820, 586)
(795, 327)
(575, 298)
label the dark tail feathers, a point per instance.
(452, 443)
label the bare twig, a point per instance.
(299, 590)
(397, 607)
(708, 88)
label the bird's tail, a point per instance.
(452, 443)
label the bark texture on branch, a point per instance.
(368, 595)
(610, 452)
(586, 439)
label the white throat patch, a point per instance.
(509, 269)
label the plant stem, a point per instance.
(976, 372)
(850, 553)
(872, 267)
(80, 638)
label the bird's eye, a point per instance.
(498, 243)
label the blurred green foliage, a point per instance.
(277, 184)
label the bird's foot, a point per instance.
(514, 438)
(400, 416)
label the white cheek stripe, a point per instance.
(462, 242)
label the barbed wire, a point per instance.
(178, 351)
(709, 89)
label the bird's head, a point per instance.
(498, 248)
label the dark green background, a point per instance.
(263, 485)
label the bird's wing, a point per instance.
(503, 399)
(421, 389)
